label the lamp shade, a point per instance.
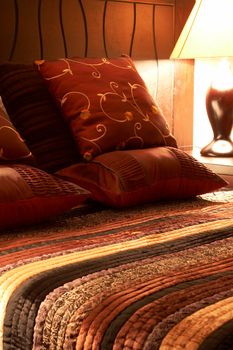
(208, 31)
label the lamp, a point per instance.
(208, 33)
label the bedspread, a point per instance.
(158, 276)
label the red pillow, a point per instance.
(124, 178)
(106, 103)
(29, 195)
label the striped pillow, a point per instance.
(35, 116)
(132, 177)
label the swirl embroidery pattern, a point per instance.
(107, 105)
(12, 146)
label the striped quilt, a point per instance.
(158, 276)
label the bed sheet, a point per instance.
(157, 276)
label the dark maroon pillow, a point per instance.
(35, 116)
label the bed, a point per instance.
(121, 245)
(152, 277)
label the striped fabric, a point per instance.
(152, 277)
(35, 116)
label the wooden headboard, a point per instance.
(146, 30)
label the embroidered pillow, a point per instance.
(12, 146)
(106, 104)
(29, 195)
(125, 178)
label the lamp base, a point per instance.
(218, 148)
(219, 107)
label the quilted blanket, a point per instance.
(158, 276)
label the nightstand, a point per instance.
(223, 166)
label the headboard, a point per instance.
(146, 30)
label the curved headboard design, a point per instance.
(144, 29)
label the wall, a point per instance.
(183, 83)
(51, 28)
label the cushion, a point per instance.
(29, 195)
(12, 146)
(36, 117)
(4, 109)
(106, 104)
(130, 177)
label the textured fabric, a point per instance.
(29, 195)
(12, 146)
(106, 104)
(129, 177)
(152, 277)
(35, 116)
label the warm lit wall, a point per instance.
(183, 83)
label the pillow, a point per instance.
(2, 107)
(36, 117)
(29, 195)
(130, 177)
(12, 146)
(106, 104)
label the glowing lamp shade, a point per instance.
(208, 33)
